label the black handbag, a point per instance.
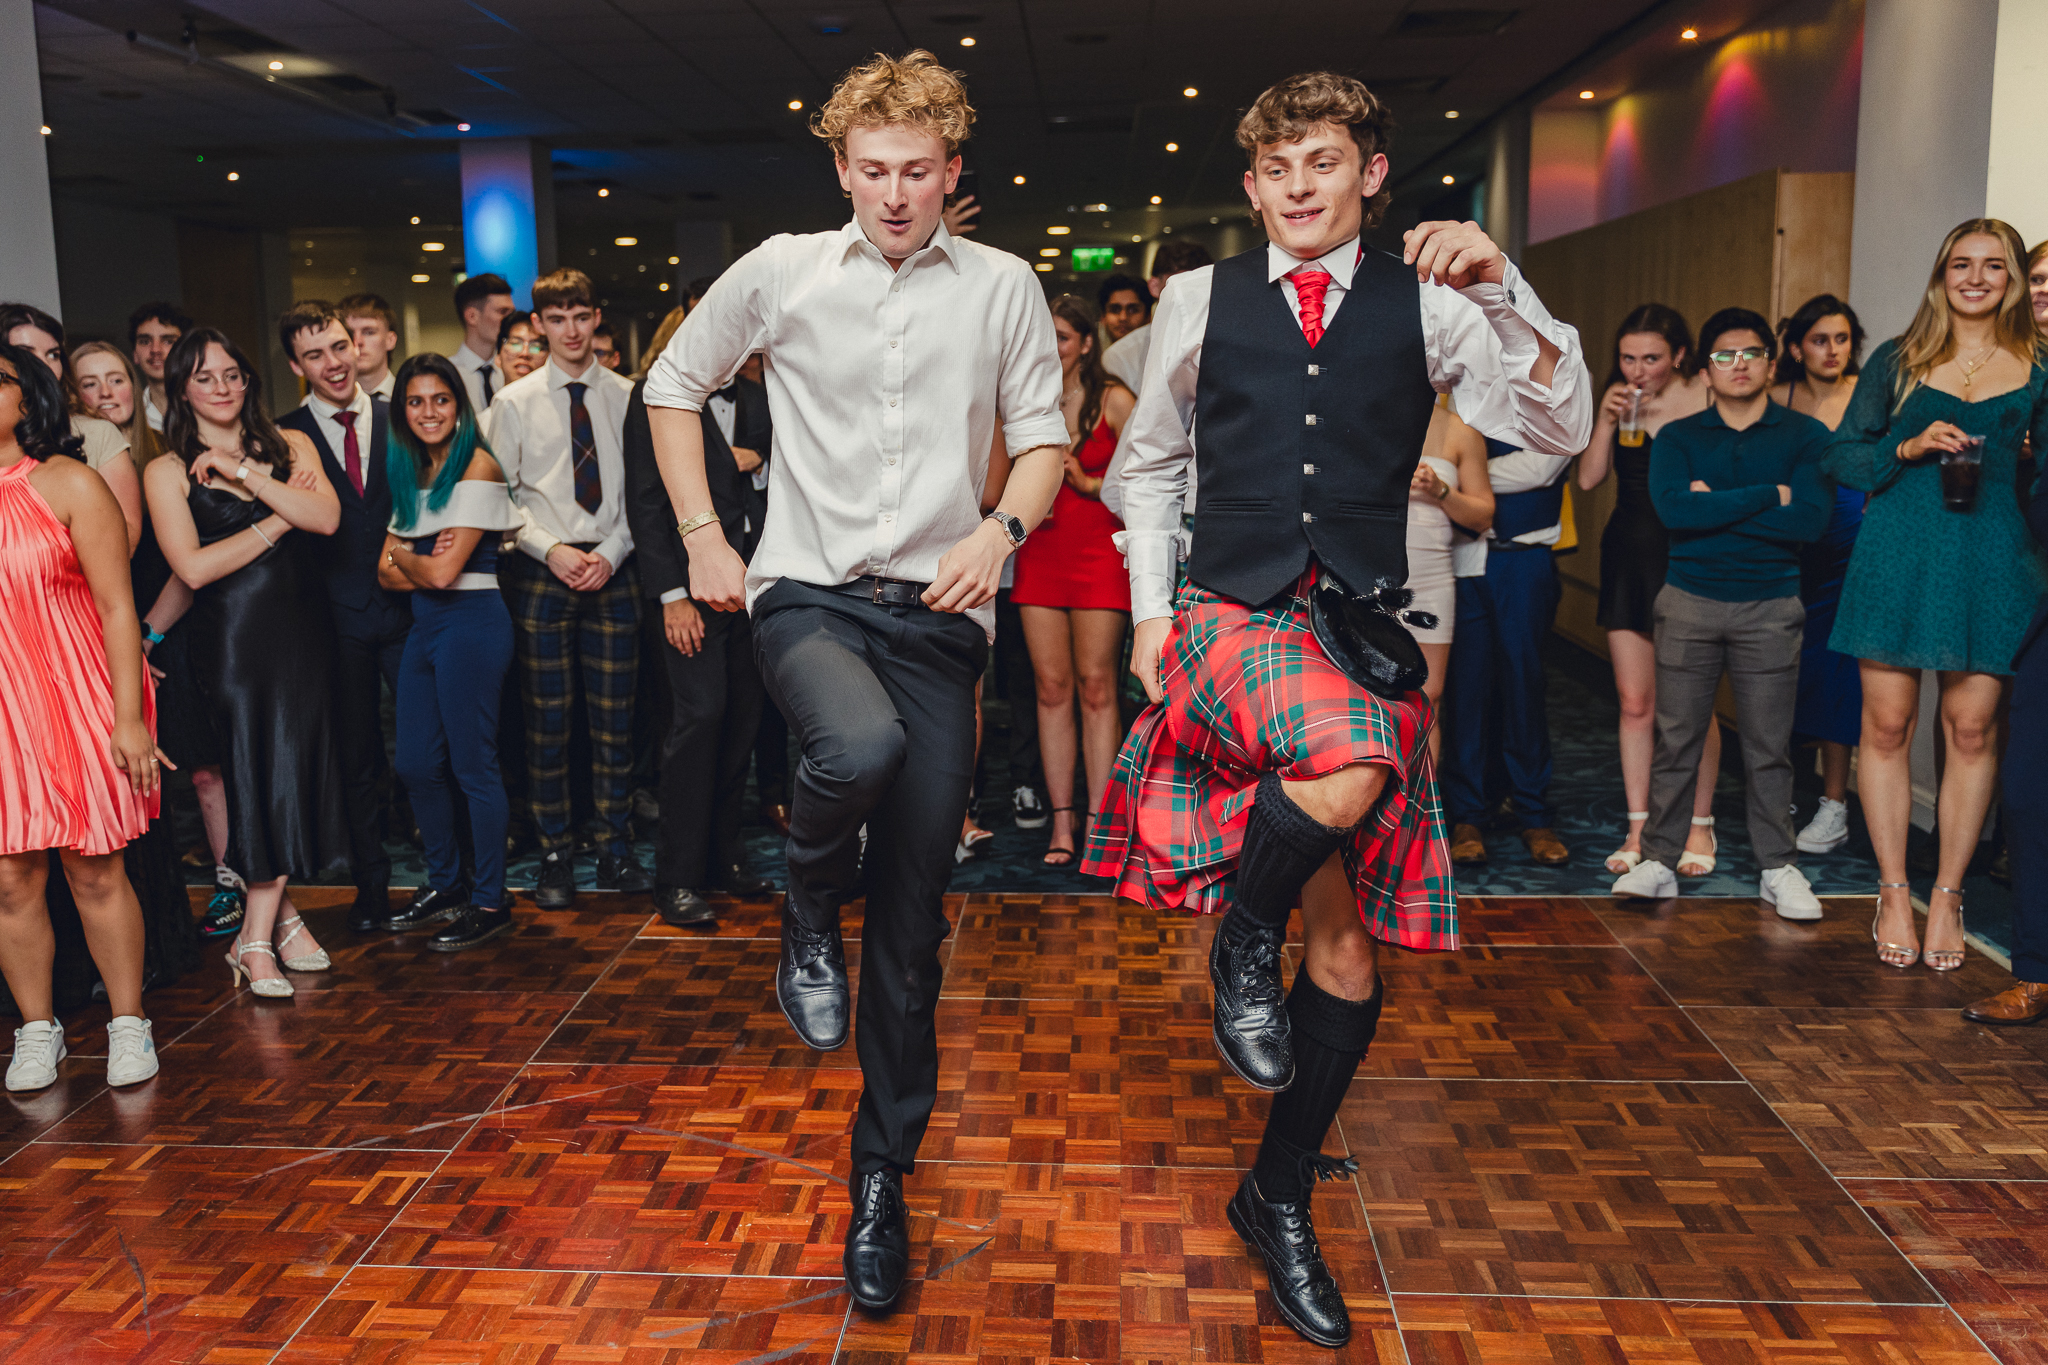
(1366, 634)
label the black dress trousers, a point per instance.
(369, 643)
(882, 703)
(715, 700)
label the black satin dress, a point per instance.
(1635, 548)
(260, 646)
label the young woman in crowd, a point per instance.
(1450, 487)
(1943, 575)
(83, 770)
(1819, 348)
(2037, 285)
(449, 510)
(104, 449)
(1654, 374)
(228, 500)
(1072, 589)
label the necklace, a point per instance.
(1970, 371)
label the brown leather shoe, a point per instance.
(1467, 845)
(2026, 1002)
(777, 818)
(1545, 847)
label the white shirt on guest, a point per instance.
(470, 366)
(528, 430)
(884, 387)
(1125, 358)
(151, 413)
(723, 411)
(1480, 345)
(325, 416)
(384, 387)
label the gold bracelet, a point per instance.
(698, 522)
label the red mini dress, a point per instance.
(1069, 561)
(59, 787)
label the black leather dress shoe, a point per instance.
(369, 911)
(1251, 1029)
(622, 872)
(877, 1240)
(555, 887)
(735, 881)
(473, 926)
(1285, 1238)
(427, 907)
(810, 984)
(681, 906)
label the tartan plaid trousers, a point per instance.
(558, 632)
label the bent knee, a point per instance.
(1341, 799)
(861, 756)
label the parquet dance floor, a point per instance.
(1688, 1133)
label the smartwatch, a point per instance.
(151, 636)
(242, 474)
(1012, 527)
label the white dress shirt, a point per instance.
(1125, 358)
(151, 413)
(529, 433)
(470, 366)
(384, 387)
(723, 410)
(1480, 344)
(1518, 471)
(324, 416)
(885, 388)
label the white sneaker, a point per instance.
(1649, 880)
(1828, 830)
(131, 1052)
(38, 1047)
(1786, 887)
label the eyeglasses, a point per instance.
(1727, 360)
(526, 347)
(234, 381)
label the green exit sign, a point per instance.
(1093, 260)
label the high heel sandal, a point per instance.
(271, 988)
(1625, 859)
(315, 961)
(1700, 864)
(1946, 959)
(1060, 857)
(1892, 954)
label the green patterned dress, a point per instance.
(1928, 587)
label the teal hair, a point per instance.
(405, 457)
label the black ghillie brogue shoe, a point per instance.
(1252, 1030)
(1285, 1236)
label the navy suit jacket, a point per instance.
(349, 557)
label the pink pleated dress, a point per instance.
(59, 787)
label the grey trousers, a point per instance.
(1758, 644)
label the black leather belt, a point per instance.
(885, 592)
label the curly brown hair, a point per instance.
(915, 89)
(1287, 111)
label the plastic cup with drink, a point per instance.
(1630, 432)
(1962, 473)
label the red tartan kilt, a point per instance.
(1248, 690)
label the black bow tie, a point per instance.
(730, 393)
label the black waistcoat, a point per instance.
(1305, 450)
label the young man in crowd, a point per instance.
(374, 329)
(482, 302)
(522, 348)
(153, 330)
(559, 436)
(1496, 669)
(896, 355)
(1126, 306)
(605, 346)
(1740, 488)
(1299, 379)
(349, 428)
(1125, 360)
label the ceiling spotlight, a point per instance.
(415, 223)
(1155, 198)
(1585, 94)
(1044, 267)
(1450, 180)
(234, 175)
(462, 127)
(967, 41)
(1173, 146)
(1095, 208)
(1215, 220)
(1450, 113)
(1191, 92)
(277, 66)
(46, 130)
(664, 286)
(1057, 231)
(1016, 180)
(433, 246)
(604, 193)
(1690, 35)
(795, 105)
(1048, 251)
(423, 279)
(625, 241)
(1136, 238)
(675, 260)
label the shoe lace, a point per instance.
(1258, 967)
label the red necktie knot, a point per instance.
(1309, 287)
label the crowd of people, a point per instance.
(497, 538)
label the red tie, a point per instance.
(1309, 287)
(352, 453)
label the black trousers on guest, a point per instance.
(771, 758)
(882, 703)
(715, 698)
(369, 646)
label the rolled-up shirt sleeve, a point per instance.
(728, 324)
(1152, 479)
(1028, 390)
(1482, 343)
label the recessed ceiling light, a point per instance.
(46, 132)
(234, 175)
(1690, 34)
(1173, 146)
(625, 241)
(277, 66)
(1191, 92)
(1585, 94)
(423, 279)
(1450, 180)
(415, 223)
(1048, 251)
(796, 104)
(462, 127)
(664, 286)
(604, 193)
(1045, 266)
(433, 246)
(967, 41)
(675, 260)
(1136, 238)
(1095, 208)
(1215, 220)
(1155, 198)
(1450, 113)
(1058, 231)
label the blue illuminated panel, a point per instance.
(498, 233)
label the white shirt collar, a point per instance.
(1341, 261)
(469, 361)
(559, 378)
(360, 404)
(941, 241)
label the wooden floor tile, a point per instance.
(170, 1254)
(1983, 1244)
(1898, 1092)
(1608, 1189)
(1501, 1331)
(1738, 952)
(1035, 947)
(1530, 921)
(547, 950)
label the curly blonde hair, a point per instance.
(1287, 111)
(914, 89)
